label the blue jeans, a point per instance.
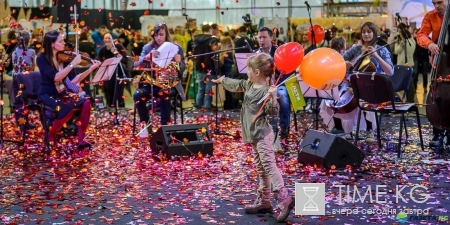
(143, 94)
(285, 106)
(204, 88)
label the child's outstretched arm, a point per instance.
(233, 85)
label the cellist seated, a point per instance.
(380, 62)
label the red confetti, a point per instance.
(146, 12)
(86, 13)
(221, 12)
(41, 7)
(162, 4)
(217, 7)
(133, 4)
(150, 1)
(278, 3)
(237, 1)
(95, 20)
(99, 9)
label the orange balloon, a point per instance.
(319, 33)
(323, 69)
(288, 57)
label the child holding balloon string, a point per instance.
(259, 134)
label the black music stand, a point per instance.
(332, 94)
(105, 73)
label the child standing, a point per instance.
(260, 71)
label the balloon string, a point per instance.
(265, 101)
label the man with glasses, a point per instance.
(432, 23)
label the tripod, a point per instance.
(216, 67)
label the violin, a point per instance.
(68, 56)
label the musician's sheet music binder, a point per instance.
(241, 61)
(106, 70)
(309, 92)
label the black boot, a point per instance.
(437, 141)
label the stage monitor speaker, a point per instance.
(182, 140)
(65, 15)
(326, 150)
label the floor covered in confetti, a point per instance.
(121, 182)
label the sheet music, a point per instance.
(106, 70)
(166, 53)
(241, 61)
(313, 93)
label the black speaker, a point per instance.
(325, 150)
(65, 15)
(182, 140)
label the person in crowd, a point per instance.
(404, 48)
(215, 31)
(23, 61)
(432, 24)
(160, 34)
(226, 62)
(86, 45)
(98, 37)
(243, 40)
(60, 87)
(204, 43)
(260, 135)
(37, 37)
(9, 46)
(136, 50)
(421, 62)
(110, 50)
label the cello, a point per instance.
(438, 99)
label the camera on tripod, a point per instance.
(247, 20)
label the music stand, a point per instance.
(241, 61)
(309, 92)
(104, 73)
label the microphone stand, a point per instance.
(216, 66)
(116, 84)
(313, 41)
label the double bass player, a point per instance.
(432, 23)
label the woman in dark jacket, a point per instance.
(106, 52)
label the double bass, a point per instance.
(438, 99)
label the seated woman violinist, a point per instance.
(60, 87)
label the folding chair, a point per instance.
(371, 89)
(26, 92)
(401, 80)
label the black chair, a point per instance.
(26, 90)
(371, 89)
(401, 79)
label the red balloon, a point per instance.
(288, 57)
(319, 34)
